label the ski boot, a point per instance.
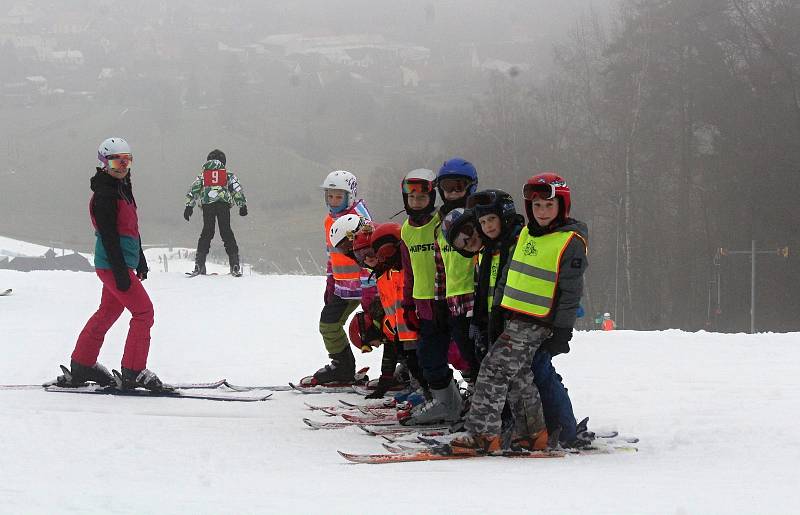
(199, 265)
(236, 269)
(79, 375)
(535, 442)
(340, 372)
(583, 437)
(475, 444)
(132, 379)
(445, 407)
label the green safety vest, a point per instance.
(420, 244)
(533, 273)
(459, 271)
(493, 271)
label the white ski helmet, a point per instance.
(422, 180)
(342, 180)
(421, 174)
(606, 315)
(345, 227)
(110, 147)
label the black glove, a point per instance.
(141, 271)
(558, 343)
(243, 211)
(122, 279)
(384, 385)
(187, 213)
(375, 309)
(480, 341)
(411, 318)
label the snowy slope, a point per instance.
(9, 247)
(715, 414)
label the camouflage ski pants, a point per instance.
(506, 375)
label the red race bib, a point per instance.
(215, 177)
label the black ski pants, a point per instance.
(221, 212)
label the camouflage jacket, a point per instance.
(216, 185)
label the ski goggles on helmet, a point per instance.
(463, 236)
(454, 185)
(541, 191)
(117, 161)
(416, 186)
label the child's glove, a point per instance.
(480, 340)
(187, 213)
(558, 343)
(243, 211)
(376, 311)
(411, 318)
(385, 384)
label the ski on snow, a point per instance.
(437, 455)
(221, 384)
(175, 394)
(5, 292)
(435, 451)
(177, 386)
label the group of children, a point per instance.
(470, 276)
(469, 283)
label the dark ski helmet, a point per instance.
(217, 154)
(492, 201)
(457, 221)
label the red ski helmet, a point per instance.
(386, 240)
(547, 185)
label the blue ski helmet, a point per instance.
(458, 168)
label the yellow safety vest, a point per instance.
(493, 271)
(420, 244)
(459, 271)
(533, 273)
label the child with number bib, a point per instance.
(216, 189)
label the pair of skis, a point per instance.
(225, 391)
(189, 275)
(429, 449)
(403, 454)
(175, 393)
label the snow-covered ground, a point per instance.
(715, 414)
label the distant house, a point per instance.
(50, 261)
(38, 82)
(19, 14)
(70, 57)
